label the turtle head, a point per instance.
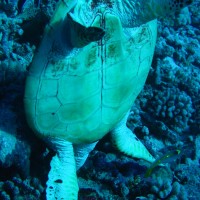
(161, 8)
(134, 13)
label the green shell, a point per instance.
(81, 95)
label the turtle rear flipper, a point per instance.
(81, 153)
(62, 180)
(128, 143)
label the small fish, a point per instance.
(170, 156)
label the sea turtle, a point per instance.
(90, 67)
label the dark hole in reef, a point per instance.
(20, 5)
(58, 181)
(33, 29)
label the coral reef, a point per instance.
(166, 115)
(12, 150)
(21, 189)
(173, 106)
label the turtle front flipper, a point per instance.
(128, 143)
(62, 8)
(62, 180)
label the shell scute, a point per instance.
(47, 105)
(46, 122)
(109, 113)
(117, 96)
(114, 52)
(92, 60)
(80, 111)
(55, 67)
(48, 88)
(60, 128)
(94, 121)
(32, 84)
(29, 106)
(77, 88)
(85, 61)
(113, 33)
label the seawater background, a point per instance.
(165, 116)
